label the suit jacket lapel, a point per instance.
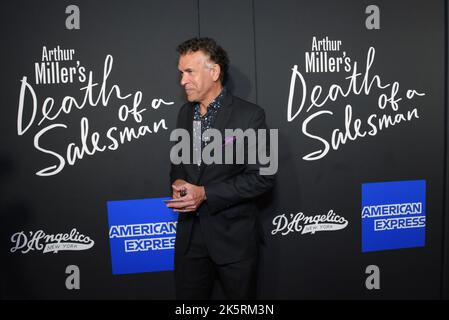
(188, 125)
(189, 119)
(224, 114)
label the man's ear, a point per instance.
(216, 71)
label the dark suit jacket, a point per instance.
(228, 216)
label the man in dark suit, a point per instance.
(217, 232)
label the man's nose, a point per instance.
(183, 80)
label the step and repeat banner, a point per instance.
(90, 95)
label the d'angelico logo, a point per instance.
(40, 241)
(393, 215)
(299, 222)
(142, 235)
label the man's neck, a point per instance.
(206, 102)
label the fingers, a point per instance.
(188, 209)
(185, 191)
(179, 190)
(176, 188)
(177, 195)
(181, 204)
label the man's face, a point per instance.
(197, 77)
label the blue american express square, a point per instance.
(141, 235)
(393, 215)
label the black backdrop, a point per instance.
(264, 39)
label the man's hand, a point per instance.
(175, 193)
(191, 201)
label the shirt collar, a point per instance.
(216, 103)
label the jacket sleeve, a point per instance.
(244, 186)
(177, 170)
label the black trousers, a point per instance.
(195, 273)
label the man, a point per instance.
(217, 233)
